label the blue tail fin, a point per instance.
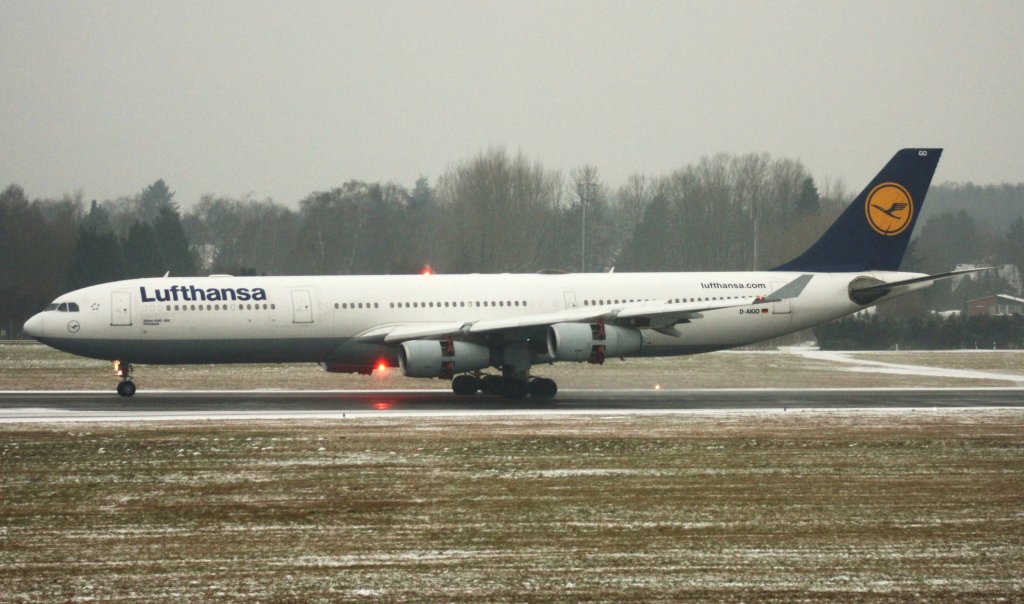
(872, 234)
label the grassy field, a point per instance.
(812, 506)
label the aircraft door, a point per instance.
(782, 307)
(120, 308)
(570, 299)
(302, 306)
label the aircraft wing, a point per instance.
(400, 332)
(660, 316)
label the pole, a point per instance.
(583, 238)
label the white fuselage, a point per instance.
(321, 318)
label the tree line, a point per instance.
(922, 332)
(493, 212)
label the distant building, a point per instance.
(997, 305)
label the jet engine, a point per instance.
(591, 342)
(441, 358)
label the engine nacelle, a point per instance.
(591, 342)
(441, 358)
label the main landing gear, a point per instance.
(126, 387)
(508, 387)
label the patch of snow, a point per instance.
(866, 366)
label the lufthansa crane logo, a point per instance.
(889, 209)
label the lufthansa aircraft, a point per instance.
(458, 327)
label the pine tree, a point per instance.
(809, 200)
(170, 238)
(153, 199)
(142, 254)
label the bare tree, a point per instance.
(499, 213)
(632, 199)
(587, 192)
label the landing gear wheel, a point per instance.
(465, 385)
(542, 388)
(491, 384)
(514, 388)
(123, 369)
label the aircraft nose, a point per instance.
(34, 326)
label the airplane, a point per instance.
(460, 327)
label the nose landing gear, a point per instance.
(126, 387)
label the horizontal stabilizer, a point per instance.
(871, 291)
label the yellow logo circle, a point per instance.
(889, 209)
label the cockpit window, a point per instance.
(63, 307)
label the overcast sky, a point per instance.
(280, 99)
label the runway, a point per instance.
(50, 406)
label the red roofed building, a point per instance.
(995, 306)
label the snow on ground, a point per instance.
(869, 366)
